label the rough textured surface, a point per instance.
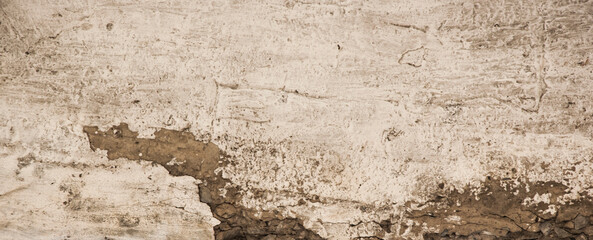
(182, 155)
(352, 119)
(506, 209)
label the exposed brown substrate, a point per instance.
(182, 155)
(500, 209)
(503, 209)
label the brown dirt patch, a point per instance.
(182, 155)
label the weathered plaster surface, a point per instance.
(338, 113)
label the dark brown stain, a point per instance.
(496, 210)
(182, 155)
(128, 221)
(25, 161)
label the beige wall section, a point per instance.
(353, 102)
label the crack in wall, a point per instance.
(182, 155)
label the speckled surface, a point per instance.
(338, 113)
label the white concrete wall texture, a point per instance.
(347, 115)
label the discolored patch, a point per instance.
(182, 155)
(109, 26)
(499, 209)
(504, 209)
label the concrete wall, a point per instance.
(346, 115)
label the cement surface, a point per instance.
(346, 115)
